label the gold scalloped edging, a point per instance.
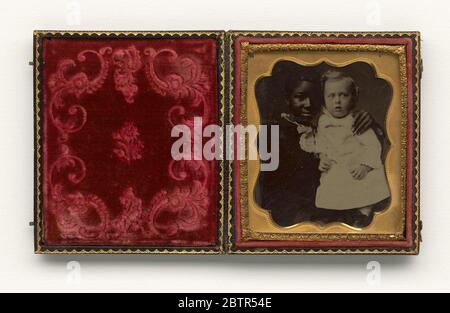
(393, 250)
(39, 249)
(125, 33)
(328, 251)
(230, 145)
(37, 145)
(175, 250)
(418, 68)
(222, 167)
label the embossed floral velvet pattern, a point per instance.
(108, 175)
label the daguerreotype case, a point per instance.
(227, 142)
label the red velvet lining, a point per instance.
(108, 111)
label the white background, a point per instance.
(21, 270)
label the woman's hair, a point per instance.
(334, 75)
(293, 83)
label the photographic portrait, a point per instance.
(319, 181)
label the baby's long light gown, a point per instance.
(338, 189)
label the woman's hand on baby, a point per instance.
(325, 163)
(360, 172)
(363, 121)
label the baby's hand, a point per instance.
(325, 163)
(360, 172)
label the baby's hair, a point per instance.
(333, 75)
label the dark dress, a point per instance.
(289, 192)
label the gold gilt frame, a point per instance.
(40, 247)
(240, 224)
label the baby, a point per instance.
(355, 178)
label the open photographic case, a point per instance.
(227, 142)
